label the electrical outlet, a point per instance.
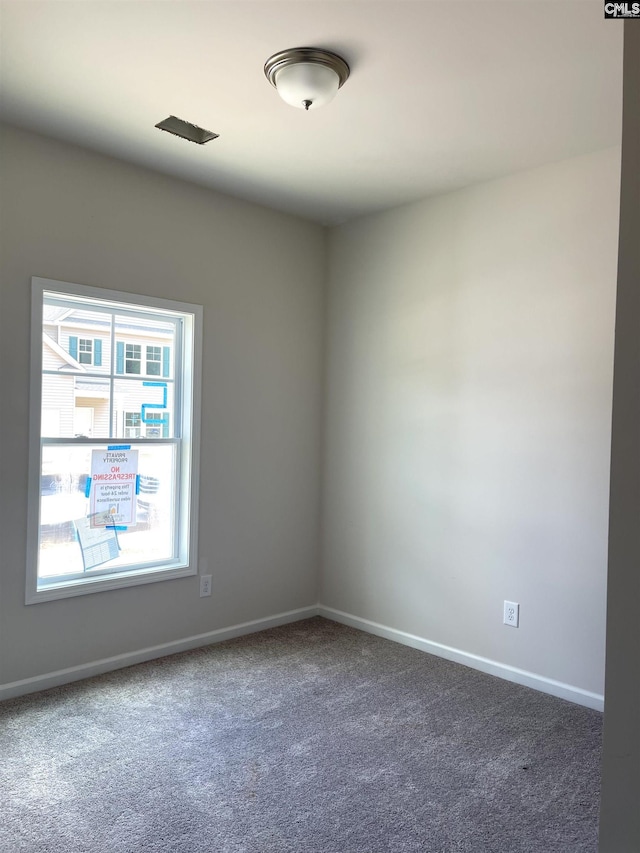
(205, 585)
(511, 613)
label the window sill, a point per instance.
(86, 586)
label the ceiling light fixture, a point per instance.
(306, 77)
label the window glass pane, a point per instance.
(65, 509)
(151, 400)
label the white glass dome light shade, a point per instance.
(306, 77)
(307, 85)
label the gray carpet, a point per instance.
(311, 738)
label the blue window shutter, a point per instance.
(165, 361)
(73, 347)
(165, 426)
(119, 357)
(97, 352)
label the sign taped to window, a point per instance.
(98, 544)
(114, 472)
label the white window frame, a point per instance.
(185, 561)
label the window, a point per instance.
(154, 361)
(129, 358)
(85, 346)
(157, 424)
(113, 455)
(154, 425)
(132, 358)
(132, 424)
(86, 350)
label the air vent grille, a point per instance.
(186, 130)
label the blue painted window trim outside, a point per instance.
(119, 357)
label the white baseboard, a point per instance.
(501, 670)
(509, 673)
(87, 670)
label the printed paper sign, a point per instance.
(98, 544)
(113, 487)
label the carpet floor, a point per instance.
(309, 738)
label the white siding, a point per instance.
(58, 394)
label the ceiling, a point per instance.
(442, 93)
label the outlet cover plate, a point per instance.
(511, 614)
(205, 585)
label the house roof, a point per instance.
(68, 360)
(54, 313)
(442, 93)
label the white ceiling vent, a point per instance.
(186, 130)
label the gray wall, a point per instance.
(620, 812)
(76, 216)
(468, 391)
(469, 383)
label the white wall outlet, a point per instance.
(511, 614)
(205, 585)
